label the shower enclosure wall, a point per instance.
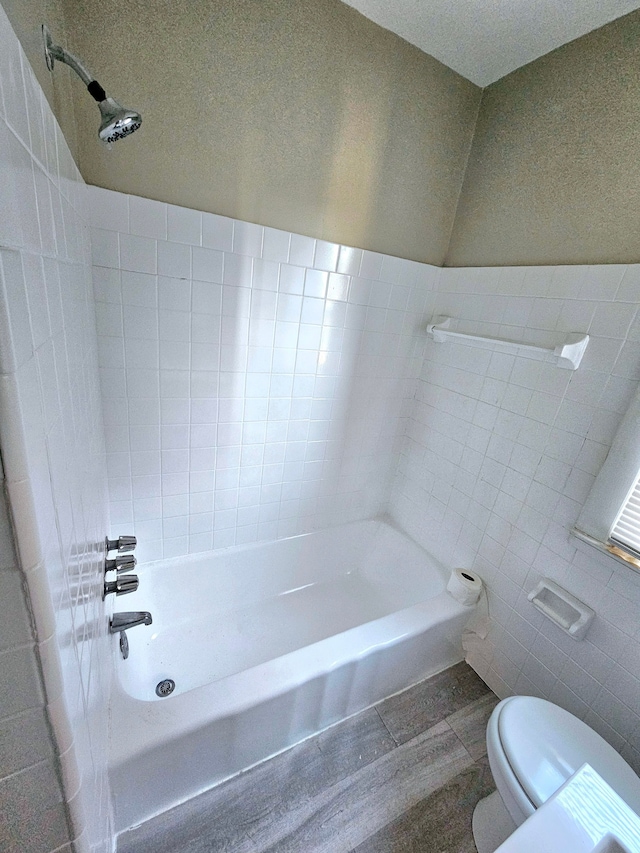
(255, 382)
(498, 457)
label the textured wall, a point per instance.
(298, 114)
(499, 456)
(253, 380)
(554, 173)
(52, 442)
(308, 117)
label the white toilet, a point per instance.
(534, 747)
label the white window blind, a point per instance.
(626, 529)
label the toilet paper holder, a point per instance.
(565, 610)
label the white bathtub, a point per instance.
(268, 644)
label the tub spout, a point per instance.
(124, 621)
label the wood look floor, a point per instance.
(402, 777)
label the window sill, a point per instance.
(606, 548)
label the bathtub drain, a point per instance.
(165, 688)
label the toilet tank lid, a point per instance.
(545, 745)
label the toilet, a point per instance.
(534, 747)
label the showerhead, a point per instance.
(117, 121)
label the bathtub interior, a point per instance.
(219, 614)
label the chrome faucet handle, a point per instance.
(122, 585)
(122, 543)
(121, 563)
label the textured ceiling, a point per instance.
(485, 39)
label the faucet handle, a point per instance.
(122, 543)
(122, 585)
(121, 563)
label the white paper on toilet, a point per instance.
(467, 588)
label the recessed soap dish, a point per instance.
(569, 613)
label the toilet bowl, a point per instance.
(533, 748)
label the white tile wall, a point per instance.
(499, 455)
(51, 436)
(27, 760)
(253, 380)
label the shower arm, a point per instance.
(55, 51)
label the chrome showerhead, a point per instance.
(117, 121)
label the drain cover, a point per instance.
(166, 687)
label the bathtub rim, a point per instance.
(231, 550)
(149, 722)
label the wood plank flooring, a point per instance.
(402, 777)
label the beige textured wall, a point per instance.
(299, 114)
(306, 116)
(27, 18)
(554, 172)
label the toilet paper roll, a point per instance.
(478, 624)
(465, 586)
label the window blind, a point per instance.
(626, 529)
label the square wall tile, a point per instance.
(138, 254)
(184, 225)
(147, 218)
